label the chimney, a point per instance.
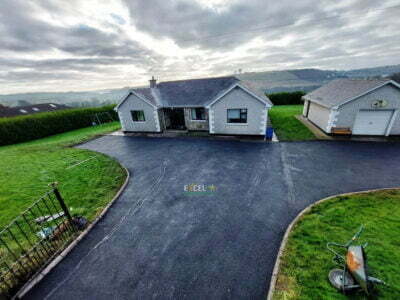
(153, 82)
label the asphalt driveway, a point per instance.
(159, 242)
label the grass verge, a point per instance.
(87, 181)
(28, 168)
(286, 126)
(306, 262)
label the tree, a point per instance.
(395, 77)
(23, 103)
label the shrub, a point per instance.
(287, 98)
(25, 128)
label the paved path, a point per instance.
(157, 242)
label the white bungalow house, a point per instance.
(223, 105)
(355, 106)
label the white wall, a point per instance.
(133, 102)
(319, 115)
(238, 98)
(347, 113)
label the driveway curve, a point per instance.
(158, 242)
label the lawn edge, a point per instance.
(40, 275)
(94, 137)
(275, 272)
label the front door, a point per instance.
(175, 119)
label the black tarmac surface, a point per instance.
(158, 242)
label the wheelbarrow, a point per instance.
(354, 272)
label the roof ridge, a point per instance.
(363, 79)
(155, 92)
(204, 78)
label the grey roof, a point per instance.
(340, 91)
(255, 89)
(6, 111)
(193, 92)
(147, 94)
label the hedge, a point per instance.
(26, 128)
(286, 98)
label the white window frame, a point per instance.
(197, 120)
(237, 124)
(144, 116)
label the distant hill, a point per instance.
(384, 71)
(290, 80)
(269, 82)
(76, 99)
(309, 79)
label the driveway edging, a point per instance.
(42, 273)
(282, 247)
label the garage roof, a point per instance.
(341, 91)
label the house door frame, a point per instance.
(308, 108)
(174, 118)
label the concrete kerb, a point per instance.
(319, 134)
(42, 273)
(285, 239)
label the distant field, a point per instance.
(286, 126)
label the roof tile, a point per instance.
(193, 92)
(340, 91)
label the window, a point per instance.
(137, 115)
(237, 115)
(23, 111)
(53, 105)
(198, 113)
(35, 109)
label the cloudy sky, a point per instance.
(50, 45)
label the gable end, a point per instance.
(127, 96)
(395, 84)
(238, 85)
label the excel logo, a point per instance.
(199, 189)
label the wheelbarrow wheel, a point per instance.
(336, 279)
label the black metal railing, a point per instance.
(32, 239)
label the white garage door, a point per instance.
(372, 122)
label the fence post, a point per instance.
(62, 203)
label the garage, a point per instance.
(372, 122)
(355, 107)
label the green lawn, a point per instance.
(286, 126)
(27, 169)
(306, 261)
(87, 182)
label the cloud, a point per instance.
(26, 76)
(24, 32)
(118, 19)
(189, 23)
(100, 44)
